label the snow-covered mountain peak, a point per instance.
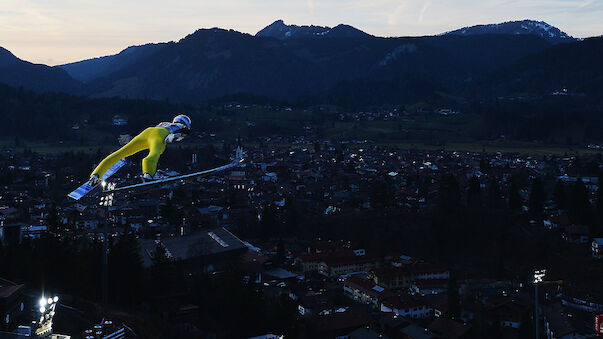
(528, 27)
(282, 31)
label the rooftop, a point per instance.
(203, 243)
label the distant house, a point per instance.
(8, 213)
(12, 308)
(391, 277)
(577, 234)
(402, 275)
(315, 303)
(589, 301)
(119, 120)
(414, 331)
(429, 286)
(335, 266)
(364, 291)
(338, 324)
(279, 274)
(238, 180)
(439, 304)
(509, 312)
(87, 223)
(391, 324)
(338, 263)
(11, 233)
(449, 329)
(557, 324)
(34, 232)
(597, 248)
(406, 305)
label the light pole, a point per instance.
(47, 311)
(538, 278)
(106, 201)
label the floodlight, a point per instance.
(539, 276)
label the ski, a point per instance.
(233, 164)
(81, 191)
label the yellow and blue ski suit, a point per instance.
(152, 138)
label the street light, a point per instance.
(106, 201)
(47, 311)
(538, 278)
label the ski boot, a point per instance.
(146, 177)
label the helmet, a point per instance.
(183, 119)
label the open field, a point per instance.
(459, 132)
(490, 147)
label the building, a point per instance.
(364, 291)
(34, 232)
(336, 324)
(11, 233)
(119, 120)
(414, 331)
(557, 324)
(406, 305)
(429, 286)
(8, 213)
(509, 311)
(449, 329)
(337, 263)
(315, 303)
(403, 275)
(391, 277)
(203, 251)
(12, 308)
(577, 234)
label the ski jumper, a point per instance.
(152, 138)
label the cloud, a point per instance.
(392, 19)
(423, 10)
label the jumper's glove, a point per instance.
(174, 137)
(124, 139)
(94, 180)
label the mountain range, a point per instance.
(18, 73)
(91, 69)
(525, 27)
(290, 62)
(281, 31)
